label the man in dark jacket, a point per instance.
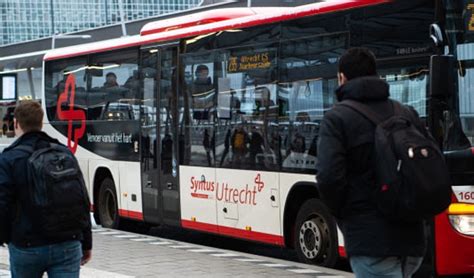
(31, 252)
(376, 246)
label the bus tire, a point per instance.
(108, 206)
(315, 234)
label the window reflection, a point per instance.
(306, 91)
(106, 89)
(247, 109)
(198, 124)
(57, 75)
(408, 86)
(466, 98)
(114, 87)
(306, 101)
(148, 109)
(233, 108)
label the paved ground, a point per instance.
(122, 255)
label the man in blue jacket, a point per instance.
(33, 252)
(376, 246)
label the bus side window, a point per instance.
(114, 87)
(59, 72)
(306, 92)
(247, 110)
(201, 100)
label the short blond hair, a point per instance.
(29, 115)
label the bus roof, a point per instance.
(208, 22)
(201, 18)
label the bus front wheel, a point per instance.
(108, 206)
(315, 237)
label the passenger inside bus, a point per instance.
(133, 81)
(297, 157)
(203, 82)
(110, 81)
(298, 144)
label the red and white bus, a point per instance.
(210, 121)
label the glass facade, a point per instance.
(23, 20)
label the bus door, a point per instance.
(152, 199)
(158, 141)
(167, 123)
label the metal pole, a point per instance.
(51, 11)
(249, 3)
(122, 18)
(30, 81)
(106, 13)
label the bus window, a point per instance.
(57, 74)
(247, 109)
(200, 94)
(306, 91)
(114, 87)
(408, 85)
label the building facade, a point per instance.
(24, 20)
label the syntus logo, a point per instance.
(204, 187)
(227, 192)
(66, 112)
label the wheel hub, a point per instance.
(310, 239)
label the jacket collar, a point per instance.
(364, 89)
(30, 137)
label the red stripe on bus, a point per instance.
(200, 195)
(131, 214)
(199, 226)
(233, 232)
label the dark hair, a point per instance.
(357, 62)
(111, 74)
(29, 115)
(201, 68)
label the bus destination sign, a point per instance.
(256, 61)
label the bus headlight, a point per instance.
(461, 217)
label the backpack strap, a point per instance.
(363, 109)
(398, 108)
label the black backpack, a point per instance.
(412, 178)
(58, 197)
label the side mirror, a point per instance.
(442, 72)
